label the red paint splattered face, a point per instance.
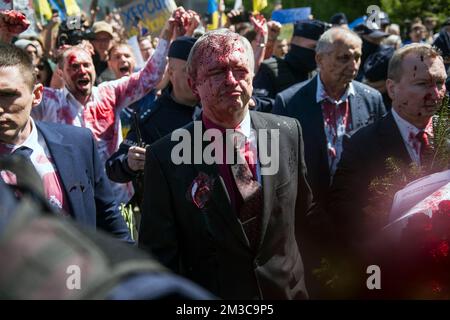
(419, 93)
(224, 80)
(122, 61)
(79, 73)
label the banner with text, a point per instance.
(151, 14)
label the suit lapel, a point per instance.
(391, 140)
(220, 199)
(311, 120)
(268, 181)
(63, 158)
(359, 114)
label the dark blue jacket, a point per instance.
(83, 178)
(299, 101)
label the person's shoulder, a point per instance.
(274, 121)
(53, 94)
(71, 133)
(364, 89)
(273, 63)
(370, 132)
(152, 112)
(162, 147)
(159, 110)
(296, 89)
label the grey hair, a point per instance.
(327, 39)
(208, 40)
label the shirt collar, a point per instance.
(321, 94)
(243, 127)
(69, 96)
(29, 142)
(406, 127)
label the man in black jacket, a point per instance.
(275, 74)
(231, 227)
(175, 108)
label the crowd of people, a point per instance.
(100, 133)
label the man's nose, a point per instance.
(230, 79)
(354, 64)
(83, 69)
(437, 92)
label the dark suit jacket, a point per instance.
(83, 178)
(363, 159)
(208, 245)
(299, 101)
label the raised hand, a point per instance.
(260, 25)
(194, 22)
(175, 24)
(12, 23)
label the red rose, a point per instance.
(200, 190)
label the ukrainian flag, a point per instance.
(43, 9)
(214, 13)
(72, 8)
(55, 5)
(258, 5)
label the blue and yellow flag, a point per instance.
(72, 8)
(214, 14)
(55, 5)
(43, 9)
(258, 5)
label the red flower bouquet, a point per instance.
(417, 263)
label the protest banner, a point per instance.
(152, 14)
(285, 16)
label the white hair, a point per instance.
(327, 39)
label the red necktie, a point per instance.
(425, 146)
(251, 191)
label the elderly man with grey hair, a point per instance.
(328, 107)
(230, 226)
